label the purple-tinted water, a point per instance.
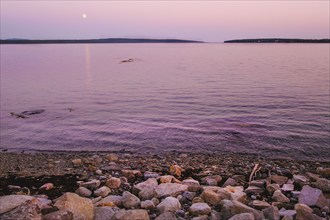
(268, 99)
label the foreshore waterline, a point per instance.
(110, 183)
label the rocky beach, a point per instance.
(126, 186)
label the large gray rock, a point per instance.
(29, 210)
(82, 208)
(312, 197)
(105, 212)
(243, 216)
(231, 208)
(130, 200)
(10, 202)
(199, 209)
(116, 200)
(170, 189)
(169, 204)
(59, 215)
(136, 214)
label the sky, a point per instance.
(210, 21)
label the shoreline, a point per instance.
(56, 176)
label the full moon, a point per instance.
(84, 16)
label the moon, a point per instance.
(84, 15)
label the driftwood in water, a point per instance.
(127, 61)
(25, 113)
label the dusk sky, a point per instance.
(212, 21)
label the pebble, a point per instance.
(130, 200)
(10, 202)
(93, 184)
(166, 216)
(199, 209)
(323, 184)
(278, 196)
(60, 215)
(193, 185)
(169, 204)
(280, 180)
(112, 157)
(243, 216)
(211, 180)
(170, 189)
(83, 191)
(76, 162)
(175, 170)
(312, 197)
(103, 191)
(113, 183)
(147, 204)
(135, 214)
(260, 204)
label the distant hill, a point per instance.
(107, 40)
(278, 40)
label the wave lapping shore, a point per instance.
(163, 187)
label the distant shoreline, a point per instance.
(93, 41)
(278, 40)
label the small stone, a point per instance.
(150, 183)
(325, 172)
(193, 185)
(175, 170)
(93, 184)
(199, 209)
(170, 189)
(290, 213)
(312, 197)
(131, 174)
(295, 194)
(103, 191)
(278, 196)
(197, 200)
(147, 204)
(271, 213)
(155, 201)
(202, 217)
(166, 179)
(147, 193)
(110, 201)
(271, 188)
(215, 215)
(254, 190)
(243, 216)
(169, 204)
(323, 184)
(212, 180)
(166, 216)
(113, 183)
(98, 172)
(135, 214)
(300, 180)
(230, 182)
(258, 183)
(260, 204)
(112, 157)
(102, 213)
(213, 197)
(130, 200)
(280, 180)
(81, 208)
(59, 215)
(236, 193)
(287, 187)
(83, 191)
(189, 195)
(76, 162)
(149, 174)
(47, 186)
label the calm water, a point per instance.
(268, 99)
